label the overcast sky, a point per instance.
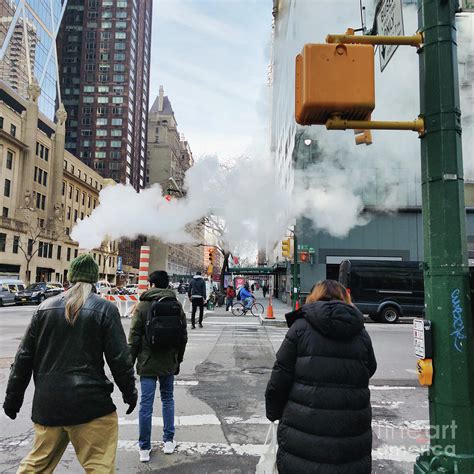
(212, 56)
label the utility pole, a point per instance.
(295, 288)
(447, 290)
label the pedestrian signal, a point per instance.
(334, 80)
(286, 248)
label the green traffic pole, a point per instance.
(295, 270)
(447, 294)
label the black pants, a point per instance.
(197, 303)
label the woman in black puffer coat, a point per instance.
(319, 387)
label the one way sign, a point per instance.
(389, 23)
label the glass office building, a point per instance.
(28, 30)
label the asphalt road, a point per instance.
(219, 394)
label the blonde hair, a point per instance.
(329, 290)
(75, 299)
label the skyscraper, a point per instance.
(104, 63)
(27, 48)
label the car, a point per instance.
(103, 287)
(8, 290)
(183, 288)
(132, 288)
(38, 292)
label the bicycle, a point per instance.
(239, 309)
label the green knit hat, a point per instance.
(83, 268)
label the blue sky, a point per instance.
(211, 56)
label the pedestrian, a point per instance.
(319, 387)
(230, 295)
(158, 353)
(64, 349)
(197, 296)
(264, 290)
(252, 287)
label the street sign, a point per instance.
(468, 5)
(119, 264)
(389, 23)
(422, 338)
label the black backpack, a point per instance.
(164, 327)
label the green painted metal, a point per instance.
(295, 281)
(447, 296)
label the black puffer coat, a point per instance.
(319, 391)
(67, 363)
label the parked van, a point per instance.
(384, 290)
(8, 291)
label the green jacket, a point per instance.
(153, 364)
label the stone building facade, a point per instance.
(169, 157)
(44, 190)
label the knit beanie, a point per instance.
(83, 268)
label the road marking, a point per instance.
(412, 371)
(390, 387)
(185, 420)
(389, 452)
(186, 382)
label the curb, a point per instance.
(272, 322)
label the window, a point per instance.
(64, 188)
(102, 121)
(115, 155)
(120, 24)
(102, 110)
(89, 88)
(75, 253)
(114, 166)
(6, 188)
(100, 143)
(68, 257)
(119, 46)
(100, 154)
(9, 162)
(120, 35)
(104, 57)
(119, 67)
(3, 242)
(83, 199)
(13, 130)
(88, 99)
(119, 56)
(1, 122)
(115, 143)
(70, 192)
(103, 100)
(117, 100)
(75, 215)
(116, 121)
(5, 212)
(119, 78)
(101, 132)
(68, 214)
(58, 253)
(77, 195)
(121, 15)
(106, 25)
(16, 243)
(116, 133)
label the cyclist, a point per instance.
(246, 296)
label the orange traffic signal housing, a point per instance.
(334, 79)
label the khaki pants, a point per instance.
(95, 444)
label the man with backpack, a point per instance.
(197, 296)
(157, 342)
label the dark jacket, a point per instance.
(197, 287)
(67, 363)
(319, 391)
(149, 363)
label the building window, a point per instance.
(76, 251)
(70, 192)
(77, 195)
(101, 132)
(115, 143)
(5, 212)
(1, 122)
(9, 162)
(6, 188)
(83, 199)
(3, 242)
(16, 243)
(13, 130)
(75, 215)
(116, 121)
(68, 255)
(68, 213)
(58, 253)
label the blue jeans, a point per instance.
(148, 387)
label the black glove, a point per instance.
(131, 401)
(10, 413)
(177, 370)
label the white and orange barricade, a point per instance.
(125, 303)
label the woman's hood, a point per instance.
(333, 319)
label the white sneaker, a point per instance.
(145, 455)
(169, 447)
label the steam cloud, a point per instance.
(332, 191)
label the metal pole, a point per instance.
(295, 289)
(447, 294)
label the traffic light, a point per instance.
(363, 136)
(286, 248)
(211, 256)
(334, 80)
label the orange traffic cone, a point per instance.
(270, 311)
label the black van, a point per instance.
(385, 290)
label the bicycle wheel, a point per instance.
(257, 309)
(238, 309)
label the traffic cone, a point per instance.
(270, 310)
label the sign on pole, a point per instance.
(468, 5)
(119, 264)
(389, 23)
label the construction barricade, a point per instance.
(125, 303)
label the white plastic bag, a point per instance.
(267, 462)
